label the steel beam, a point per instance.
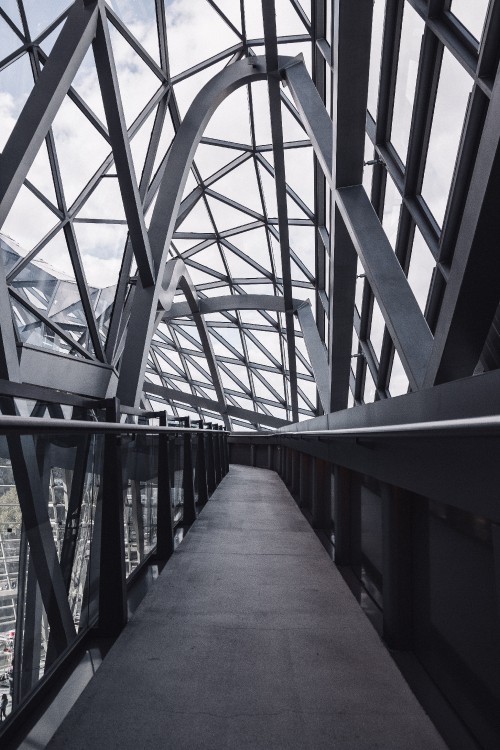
(108, 81)
(212, 405)
(44, 101)
(471, 296)
(403, 317)
(273, 80)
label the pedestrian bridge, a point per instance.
(250, 638)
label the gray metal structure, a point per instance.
(266, 216)
(373, 246)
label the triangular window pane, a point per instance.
(300, 174)
(139, 145)
(105, 201)
(239, 268)
(101, 250)
(205, 29)
(29, 220)
(262, 119)
(166, 137)
(253, 21)
(40, 15)
(226, 217)
(140, 18)
(231, 120)
(241, 181)
(287, 19)
(12, 9)
(80, 148)
(186, 89)
(209, 159)
(200, 277)
(86, 83)
(210, 258)
(49, 41)
(254, 244)
(40, 175)
(136, 80)
(197, 220)
(16, 82)
(9, 41)
(34, 332)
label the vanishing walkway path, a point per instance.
(249, 640)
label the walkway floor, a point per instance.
(249, 640)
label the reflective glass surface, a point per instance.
(409, 52)
(451, 102)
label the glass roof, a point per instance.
(241, 231)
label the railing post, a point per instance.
(164, 519)
(252, 455)
(217, 456)
(112, 584)
(296, 472)
(322, 496)
(343, 521)
(221, 452)
(397, 573)
(225, 443)
(189, 511)
(201, 469)
(211, 483)
(306, 479)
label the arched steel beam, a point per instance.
(175, 277)
(145, 303)
(312, 339)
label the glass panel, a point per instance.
(70, 473)
(398, 383)
(377, 329)
(375, 56)
(16, 82)
(140, 19)
(9, 40)
(392, 209)
(421, 267)
(191, 21)
(370, 388)
(40, 15)
(471, 14)
(451, 102)
(140, 498)
(404, 95)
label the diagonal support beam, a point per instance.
(273, 81)
(120, 144)
(178, 163)
(404, 320)
(44, 101)
(317, 353)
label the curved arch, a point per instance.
(143, 314)
(176, 276)
(302, 308)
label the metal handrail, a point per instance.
(469, 427)
(38, 425)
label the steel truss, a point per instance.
(443, 342)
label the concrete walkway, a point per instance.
(250, 640)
